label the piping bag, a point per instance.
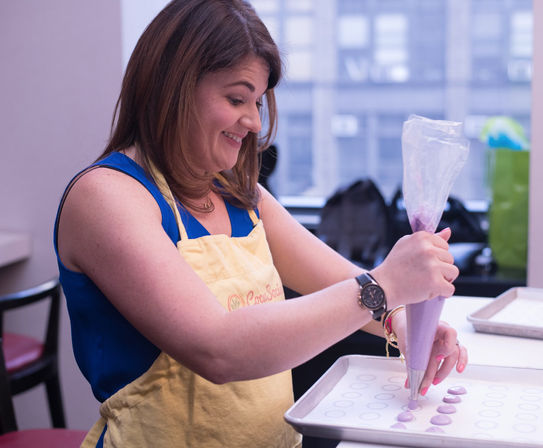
(433, 152)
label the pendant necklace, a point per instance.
(208, 204)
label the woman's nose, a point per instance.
(251, 120)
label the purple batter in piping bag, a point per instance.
(433, 152)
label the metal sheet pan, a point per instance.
(359, 398)
(516, 312)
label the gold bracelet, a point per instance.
(390, 336)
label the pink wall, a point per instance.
(60, 72)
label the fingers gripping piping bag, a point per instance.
(433, 152)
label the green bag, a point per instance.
(508, 216)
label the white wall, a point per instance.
(535, 236)
(60, 73)
(136, 15)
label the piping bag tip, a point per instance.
(415, 380)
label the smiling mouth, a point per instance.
(233, 137)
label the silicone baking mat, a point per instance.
(360, 397)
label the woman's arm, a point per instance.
(110, 229)
(418, 267)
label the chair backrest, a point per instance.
(355, 222)
(7, 412)
(465, 226)
(49, 289)
(268, 162)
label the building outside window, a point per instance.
(356, 69)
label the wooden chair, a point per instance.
(28, 362)
(29, 438)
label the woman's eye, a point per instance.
(235, 101)
(259, 104)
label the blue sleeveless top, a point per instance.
(110, 352)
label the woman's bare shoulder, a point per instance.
(98, 201)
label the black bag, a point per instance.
(355, 222)
(465, 226)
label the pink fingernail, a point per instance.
(461, 367)
(406, 385)
(436, 381)
(440, 358)
(423, 391)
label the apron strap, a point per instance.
(254, 218)
(92, 437)
(167, 193)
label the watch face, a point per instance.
(373, 296)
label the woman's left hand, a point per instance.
(447, 352)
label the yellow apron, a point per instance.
(171, 406)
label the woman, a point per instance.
(173, 258)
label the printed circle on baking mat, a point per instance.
(530, 398)
(529, 406)
(498, 387)
(396, 379)
(377, 405)
(369, 415)
(335, 413)
(493, 404)
(351, 395)
(486, 424)
(481, 435)
(343, 403)
(385, 396)
(525, 416)
(365, 377)
(391, 387)
(496, 395)
(533, 390)
(489, 413)
(359, 386)
(524, 428)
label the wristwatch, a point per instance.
(371, 295)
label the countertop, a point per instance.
(14, 246)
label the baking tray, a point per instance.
(359, 398)
(516, 312)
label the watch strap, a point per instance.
(363, 280)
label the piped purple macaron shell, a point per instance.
(398, 426)
(452, 399)
(446, 409)
(435, 429)
(440, 420)
(405, 417)
(457, 390)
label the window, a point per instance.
(390, 48)
(371, 64)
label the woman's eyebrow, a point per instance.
(242, 83)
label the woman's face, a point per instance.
(228, 106)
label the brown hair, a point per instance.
(186, 40)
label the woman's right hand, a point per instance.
(419, 267)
